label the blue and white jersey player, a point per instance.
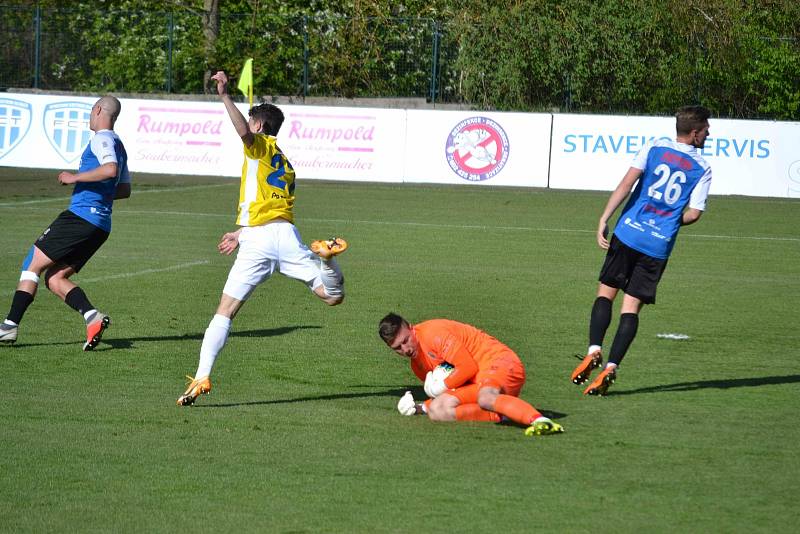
(78, 232)
(671, 181)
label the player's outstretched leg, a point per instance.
(328, 248)
(599, 385)
(588, 364)
(94, 329)
(521, 412)
(197, 387)
(330, 273)
(214, 339)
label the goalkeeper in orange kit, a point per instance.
(484, 384)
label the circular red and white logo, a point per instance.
(477, 149)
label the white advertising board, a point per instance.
(43, 131)
(180, 137)
(457, 147)
(170, 137)
(353, 144)
(756, 158)
(176, 137)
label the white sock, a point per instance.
(10, 323)
(593, 348)
(214, 339)
(89, 315)
(331, 276)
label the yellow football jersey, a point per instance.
(267, 189)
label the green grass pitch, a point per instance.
(301, 434)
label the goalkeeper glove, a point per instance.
(434, 385)
(407, 406)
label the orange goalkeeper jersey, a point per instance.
(467, 348)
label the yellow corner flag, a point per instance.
(246, 80)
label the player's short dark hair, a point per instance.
(271, 117)
(690, 118)
(390, 326)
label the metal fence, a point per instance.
(85, 49)
(145, 52)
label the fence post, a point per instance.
(37, 28)
(434, 61)
(170, 28)
(700, 56)
(305, 56)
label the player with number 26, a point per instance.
(671, 181)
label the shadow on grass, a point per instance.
(127, 343)
(716, 384)
(395, 391)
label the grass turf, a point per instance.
(301, 433)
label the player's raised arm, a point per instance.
(241, 124)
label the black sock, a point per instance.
(76, 299)
(626, 331)
(601, 318)
(19, 304)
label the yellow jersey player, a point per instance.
(267, 238)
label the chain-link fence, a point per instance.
(140, 52)
(537, 66)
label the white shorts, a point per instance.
(262, 250)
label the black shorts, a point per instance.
(70, 240)
(634, 272)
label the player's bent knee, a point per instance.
(47, 276)
(56, 285)
(486, 400)
(334, 301)
(328, 299)
(436, 415)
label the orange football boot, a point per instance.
(328, 248)
(599, 385)
(95, 329)
(585, 368)
(197, 387)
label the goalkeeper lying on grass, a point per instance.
(482, 384)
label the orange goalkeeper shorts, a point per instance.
(505, 372)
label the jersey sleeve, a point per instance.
(697, 200)
(454, 352)
(261, 147)
(640, 159)
(103, 148)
